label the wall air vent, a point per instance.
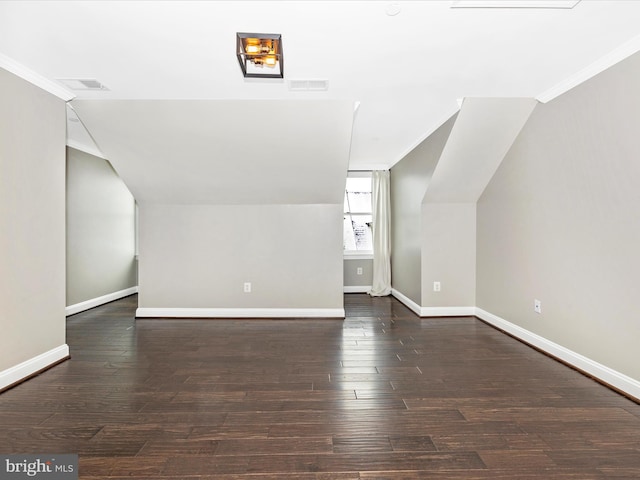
(82, 83)
(302, 85)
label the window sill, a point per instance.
(358, 256)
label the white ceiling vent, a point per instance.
(302, 85)
(82, 83)
(514, 3)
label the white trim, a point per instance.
(433, 311)
(358, 256)
(447, 311)
(85, 148)
(360, 173)
(367, 167)
(34, 78)
(240, 312)
(96, 302)
(617, 55)
(27, 368)
(407, 301)
(356, 289)
(605, 374)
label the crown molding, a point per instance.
(35, 78)
(617, 55)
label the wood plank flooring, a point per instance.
(381, 395)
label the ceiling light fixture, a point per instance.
(260, 55)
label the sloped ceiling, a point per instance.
(407, 70)
(484, 131)
(225, 152)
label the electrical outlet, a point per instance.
(359, 271)
(537, 306)
(436, 286)
(247, 287)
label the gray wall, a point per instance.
(199, 256)
(484, 130)
(32, 234)
(100, 229)
(560, 222)
(350, 274)
(409, 180)
(448, 254)
(216, 210)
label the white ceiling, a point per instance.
(407, 70)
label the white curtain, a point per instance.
(381, 285)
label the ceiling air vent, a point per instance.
(568, 4)
(308, 85)
(82, 83)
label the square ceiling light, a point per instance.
(260, 55)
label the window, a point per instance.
(358, 220)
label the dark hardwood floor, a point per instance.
(381, 395)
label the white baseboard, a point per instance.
(96, 302)
(407, 301)
(27, 368)
(447, 311)
(240, 312)
(433, 311)
(603, 373)
(357, 289)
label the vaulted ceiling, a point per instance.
(402, 66)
